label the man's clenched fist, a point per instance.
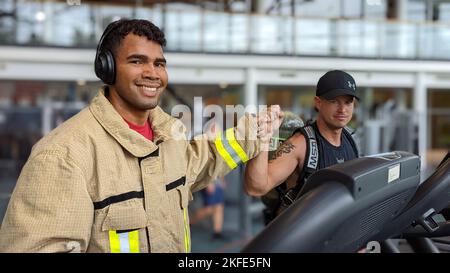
(268, 122)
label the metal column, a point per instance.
(250, 103)
(421, 109)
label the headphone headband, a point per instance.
(112, 26)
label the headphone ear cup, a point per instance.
(105, 67)
(111, 68)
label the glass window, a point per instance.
(239, 33)
(314, 37)
(183, 30)
(271, 35)
(217, 32)
(444, 12)
(416, 11)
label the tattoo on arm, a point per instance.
(286, 147)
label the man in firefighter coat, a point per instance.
(118, 176)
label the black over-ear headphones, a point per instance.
(105, 67)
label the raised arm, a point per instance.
(263, 174)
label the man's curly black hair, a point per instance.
(139, 27)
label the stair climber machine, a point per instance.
(373, 199)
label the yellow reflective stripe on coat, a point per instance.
(114, 242)
(229, 148)
(232, 140)
(187, 239)
(134, 241)
(124, 242)
(223, 153)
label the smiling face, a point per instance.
(336, 113)
(141, 76)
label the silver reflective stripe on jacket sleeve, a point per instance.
(229, 149)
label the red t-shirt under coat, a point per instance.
(145, 130)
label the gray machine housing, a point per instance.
(341, 208)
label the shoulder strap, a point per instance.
(310, 165)
(311, 162)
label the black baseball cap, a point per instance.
(336, 83)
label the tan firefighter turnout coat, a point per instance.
(94, 185)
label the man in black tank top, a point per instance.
(333, 154)
(334, 103)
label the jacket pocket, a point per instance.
(183, 193)
(124, 223)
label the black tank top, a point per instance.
(330, 154)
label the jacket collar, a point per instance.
(133, 142)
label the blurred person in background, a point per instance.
(213, 206)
